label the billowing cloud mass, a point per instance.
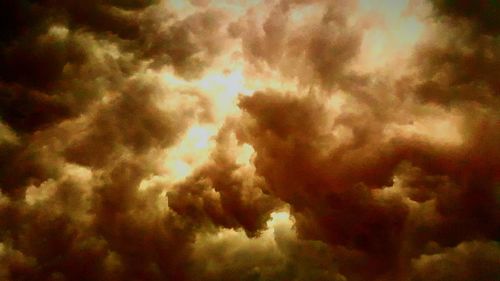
(249, 140)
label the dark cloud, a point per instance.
(386, 175)
(61, 57)
(337, 195)
(36, 92)
(455, 71)
(276, 255)
(148, 245)
(315, 51)
(76, 91)
(483, 14)
(471, 260)
(223, 192)
(330, 191)
(130, 120)
(112, 229)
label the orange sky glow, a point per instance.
(246, 140)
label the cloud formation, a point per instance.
(233, 140)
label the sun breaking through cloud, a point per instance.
(277, 140)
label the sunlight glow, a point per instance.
(279, 218)
(245, 154)
(192, 151)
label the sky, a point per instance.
(245, 140)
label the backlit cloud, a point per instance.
(249, 140)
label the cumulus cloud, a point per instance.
(476, 260)
(277, 254)
(224, 192)
(314, 51)
(233, 140)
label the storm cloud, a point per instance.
(247, 140)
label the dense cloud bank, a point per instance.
(352, 174)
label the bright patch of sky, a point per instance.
(394, 36)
